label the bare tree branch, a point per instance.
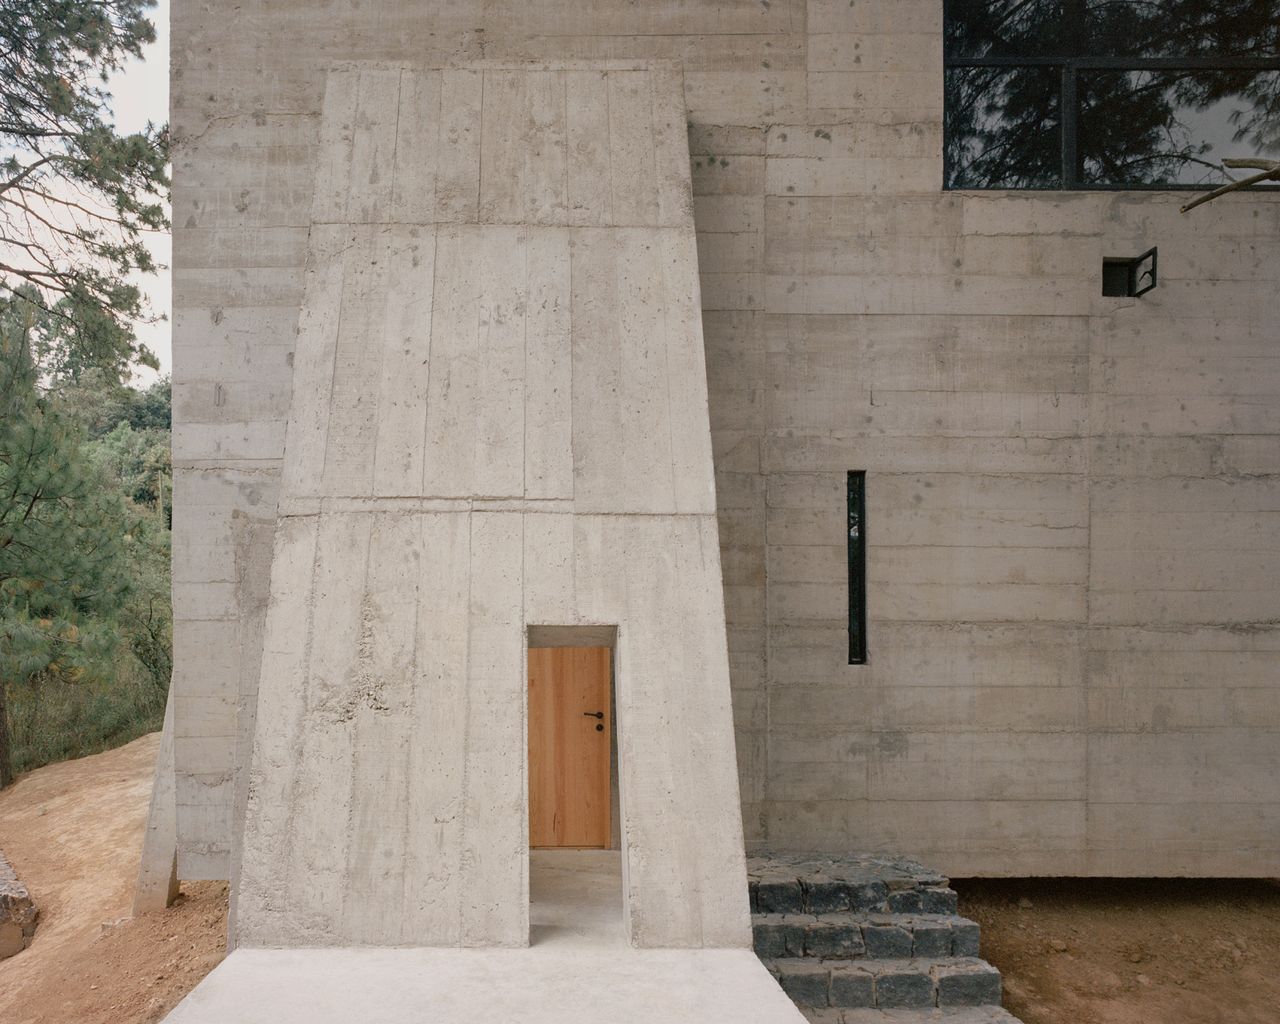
(1270, 171)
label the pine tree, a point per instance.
(64, 538)
(76, 197)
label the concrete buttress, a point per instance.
(157, 884)
(499, 420)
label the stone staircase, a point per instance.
(870, 940)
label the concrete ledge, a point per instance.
(538, 985)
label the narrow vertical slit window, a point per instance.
(857, 539)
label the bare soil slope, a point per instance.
(73, 833)
(1131, 951)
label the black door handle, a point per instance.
(593, 714)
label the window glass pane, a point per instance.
(1174, 127)
(1002, 128)
(1183, 28)
(1047, 29)
(1004, 28)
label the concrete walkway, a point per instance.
(575, 899)
(578, 968)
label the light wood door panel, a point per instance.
(569, 748)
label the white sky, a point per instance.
(140, 93)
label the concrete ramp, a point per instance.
(499, 421)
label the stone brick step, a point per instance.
(937, 1015)
(847, 936)
(815, 885)
(888, 984)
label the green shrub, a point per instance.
(53, 717)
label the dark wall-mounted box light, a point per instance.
(1129, 275)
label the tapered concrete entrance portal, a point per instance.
(499, 420)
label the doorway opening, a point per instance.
(575, 857)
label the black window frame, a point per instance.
(1069, 108)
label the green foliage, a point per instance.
(54, 718)
(102, 403)
(146, 618)
(137, 461)
(84, 460)
(57, 714)
(76, 197)
(85, 622)
(62, 536)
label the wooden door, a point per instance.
(570, 732)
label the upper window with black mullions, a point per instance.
(1099, 94)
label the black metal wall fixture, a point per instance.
(857, 540)
(1131, 276)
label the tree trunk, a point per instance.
(6, 753)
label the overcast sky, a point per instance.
(140, 94)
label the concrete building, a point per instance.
(1071, 500)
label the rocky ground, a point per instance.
(1071, 951)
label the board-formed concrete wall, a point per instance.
(1073, 501)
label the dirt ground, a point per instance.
(1121, 951)
(1073, 951)
(73, 833)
